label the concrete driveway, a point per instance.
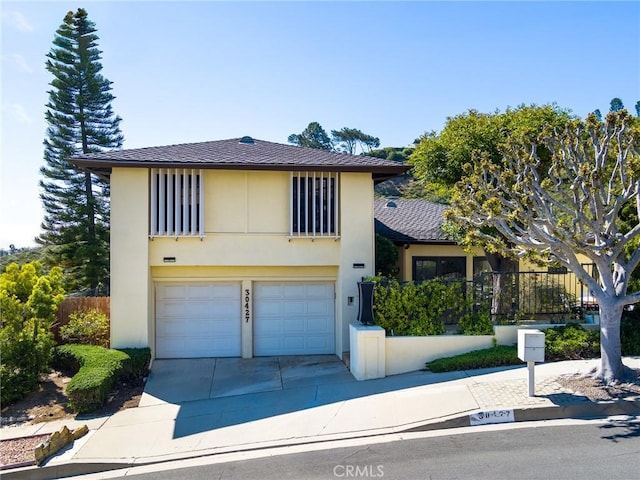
(177, 381)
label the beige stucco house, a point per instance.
(238, 247)
(424, 251)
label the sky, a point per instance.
(210, 70)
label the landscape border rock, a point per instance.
(57, 441)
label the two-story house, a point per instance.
(238, 247)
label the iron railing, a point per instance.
(533, 297)
(522, 297)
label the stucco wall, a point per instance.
(431, 250)
(356, 248)
(246, 238)
(131, 304)
(407, 354)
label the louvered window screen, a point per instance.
(177, 203)
(314, 204)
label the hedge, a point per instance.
(98, 369)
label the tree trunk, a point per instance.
(611, 367)
(503, 269)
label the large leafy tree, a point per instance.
(80, 119)
(397, 186)
(564, 208)
(314, 136)
(439, 159)
(348, 140)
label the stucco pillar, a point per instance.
(131, 289)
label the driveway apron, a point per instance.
(178, 381)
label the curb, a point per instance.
(60, 471)
(556, 412)
(577, 410)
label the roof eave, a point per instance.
(104, 168)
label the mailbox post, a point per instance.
(531, 350)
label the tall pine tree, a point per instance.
(80, 120)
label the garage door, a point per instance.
(197, 320)
(293, 318)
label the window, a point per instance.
(447, 268)
(177, 203)
(314, 204)
(557, 270)
(480, 266)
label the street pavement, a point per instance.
(201, 407)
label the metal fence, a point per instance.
(533, 297)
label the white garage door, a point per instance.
(197, 320)
(292, 318)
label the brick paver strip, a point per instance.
(514, 393)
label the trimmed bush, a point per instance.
(90, 328)
(98, 370)
(571, 342)
(498, 356)
(136, 367)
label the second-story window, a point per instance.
(177, 203)
(314, 204)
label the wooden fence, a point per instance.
(78, 304)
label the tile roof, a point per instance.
(237, 154)
(411, 221)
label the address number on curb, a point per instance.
(492, 416)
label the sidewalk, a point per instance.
(315, 413)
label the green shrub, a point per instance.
(571, 342)
(417, 308)
(136, 367)
(28, 304)
(476, 323)
(99, 369)
(565, 342)
(386, 256)
(91, 328)
(497, 356)
(630, 333)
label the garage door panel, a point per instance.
(317, 325)
(318, 343)
(317, 307)
(267, 328)
(195, 292)
(267, 307)
(173, 291)
(294, 318)
(224, 310)
(294, 308)
(293, 291)
(271, 291)
(198, 320)
(294, 343)
(293, 325)
(318, 291)
(225, 292)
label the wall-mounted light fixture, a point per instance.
(358, 265)
(169, 259)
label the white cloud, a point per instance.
(19, 61)
(18, 21)
(19, 112)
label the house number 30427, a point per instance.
(247, 302)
